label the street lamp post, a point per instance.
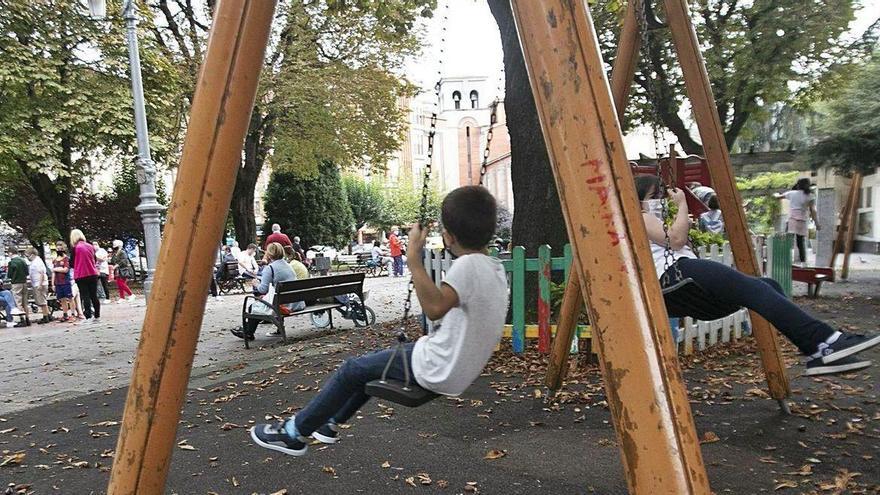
(149, 208)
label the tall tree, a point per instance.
(329, 89)
(365, 199)
(64, 93)
(755, 52)
(314, 208)
(849, 134)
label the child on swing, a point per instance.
(472, 302)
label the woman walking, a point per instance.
(801, 208)
(86, 274)
(124, 271)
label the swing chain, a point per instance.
(659, 150)
(493, 119)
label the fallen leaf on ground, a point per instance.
(709, 437)
(329, 470)
(495, 454)
(386, 465)
(13, 459)
(785, 484)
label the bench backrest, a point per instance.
(319, 287)
(364, 257)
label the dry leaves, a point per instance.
(13, 459)
(495, 454)
(329, 470)
(709, 437)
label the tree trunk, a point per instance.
(242, 208)
(537, 217)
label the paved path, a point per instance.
(57, 361)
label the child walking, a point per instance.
(472, 302)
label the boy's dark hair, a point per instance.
(470, 214)
(712, 202)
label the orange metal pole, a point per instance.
(706, 114)
(622, 74)
(646, 395)
(221, 110)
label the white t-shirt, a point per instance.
(247, 262)
(376, 253)
(38, 272)
(451, 357)
(101, 261)
(798, 203)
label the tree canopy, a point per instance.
(65, 100)
(850, 129)
(366, 200)
(314, 208)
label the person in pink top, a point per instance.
(85, 274)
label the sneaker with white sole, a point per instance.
(815, 366)
(329, 433)
(275, 437)
(847, 345)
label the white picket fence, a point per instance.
(691, 335)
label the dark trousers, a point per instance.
(88, 293)
(763, 296)
(801, 242)
(343, 393)
(398, 266)
(104, 285)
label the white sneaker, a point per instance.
(107, 301)
(87, 321)
(10, 324)
(130, 298)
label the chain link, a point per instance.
(493, 119)
(426, 177)
(660, 150)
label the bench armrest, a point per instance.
(244, 306)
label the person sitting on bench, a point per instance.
(828, 350)
(276, 271)
(11, 310)
(472, 303)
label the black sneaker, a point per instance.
(274, 437)
(847, 345)
(329, 433)
(815, 366)
(239, 332)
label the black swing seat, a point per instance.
(398, 392)
(687, 298)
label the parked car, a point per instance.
(326, 251)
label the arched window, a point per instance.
(475, 99)
(456, 99)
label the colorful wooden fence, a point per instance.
(689, 333)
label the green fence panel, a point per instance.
(544, 299)
(780, 266)
(518, 298)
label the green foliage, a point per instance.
(850, 131)
(759, 204)
(366, 200)
(21, 210)
(701, 238)
(403, 203)
(65, 97)
(504, 224)
(314, 208)
(557, 293)
(331, 90)
(757, 54)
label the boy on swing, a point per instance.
(472, 302)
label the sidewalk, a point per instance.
(502, 437)
(57, 361)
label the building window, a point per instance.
(475, 99)
(456, 99)
(865, 218)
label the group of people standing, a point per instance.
(78, 277)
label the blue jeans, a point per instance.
(8, 303)
(398, 266)
(343, 393)
(761, 295)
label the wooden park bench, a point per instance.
(314, 291)
(813, 276)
